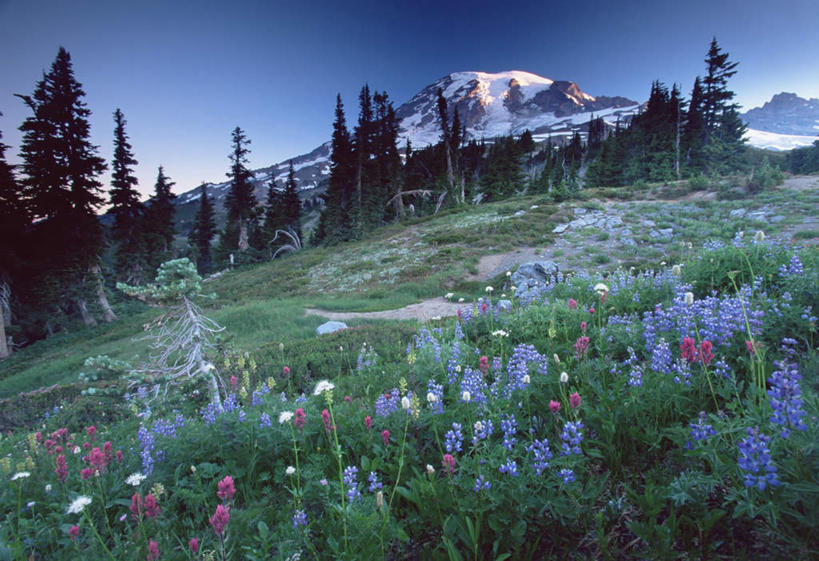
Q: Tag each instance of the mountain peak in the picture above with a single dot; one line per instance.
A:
(786, 113)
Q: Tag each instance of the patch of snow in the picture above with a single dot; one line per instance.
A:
(778, 142)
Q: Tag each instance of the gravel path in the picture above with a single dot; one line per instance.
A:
(422, 311)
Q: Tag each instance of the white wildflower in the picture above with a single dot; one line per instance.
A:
(489, 289)
(527, 379)
(557, 359)
(379, 499)
(759, 237)
(432, 398)
(208, 367)
(500, 333)
(600, 287)
(285, 416)
(323, 386)
(513, 288)
(460, 300)
(508, 273)
(564, 378)
(193, 469)
(435, 318)
(689, 298)
(466, 396)
(76, 450)
(20, 475)
(78, 504)
(290, 470)
(458, 368)
(449, 296)
(478, 426)
(48, 488)
(430, 469)
(405, 403)
(676, 270)
(135, 479)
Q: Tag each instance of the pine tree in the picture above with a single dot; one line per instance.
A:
(335, 223)
(13, 222)
(363, 150)
(60, 180)
(724, 129)
(693, 137)
(291, 205)
(158, 223)
(240, 201)
(125, 207)
(204, 228)
(273, 215)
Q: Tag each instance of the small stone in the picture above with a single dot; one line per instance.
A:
(560, 228)
(330, 327)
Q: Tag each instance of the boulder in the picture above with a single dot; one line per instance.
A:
(330, 327)
(531, 275)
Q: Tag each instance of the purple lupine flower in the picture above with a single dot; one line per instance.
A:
(299, 518)
(375, 484)
(700, 431)
(785, 398)
(481, 484)
(509, 427)
(388, 403)
(436, 390)
(567, 475)
(755, 460)
(509, 468)
(481, 430)
(452, 367)
(571, 437)
(349, 478)
(453, 439)
(540, 449)
(265, 422)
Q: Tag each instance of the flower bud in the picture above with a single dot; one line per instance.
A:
(564, 378)
(430, 470)
(405, 403)
(689, 298)
(466, 396)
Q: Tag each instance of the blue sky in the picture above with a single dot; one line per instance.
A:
(186, 73)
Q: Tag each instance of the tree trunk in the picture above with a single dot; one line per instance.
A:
(87, 318)
(108, 313)
(5, 317)
(243, 243)
(4, 348)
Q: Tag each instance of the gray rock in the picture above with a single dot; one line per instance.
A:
(628, 241)
(756, 215)
(648, 223)
(505, 305)
(738, 213)
(520, 213)
(666, 233)
(776, 219)
(330, 327)
(560, 228)
(532, 274)
(580, 210)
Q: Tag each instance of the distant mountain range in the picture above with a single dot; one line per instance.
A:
(503, 103)
(489, 105)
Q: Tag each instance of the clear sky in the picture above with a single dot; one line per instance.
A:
(185, 73)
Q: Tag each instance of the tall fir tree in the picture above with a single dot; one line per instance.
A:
(335, 222)
(693, 136)
(126, 208)
(60, 180)
(158, 223)
(240, 201)
(273, 215)
(13, 223)
(201, 235)
(291, 205)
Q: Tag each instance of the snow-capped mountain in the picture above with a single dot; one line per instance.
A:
(489, 105)
(785, 122)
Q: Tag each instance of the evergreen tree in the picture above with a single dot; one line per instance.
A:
(204, 228)
(240, 201)
(335, 223)
(60, 183)
(13, 222)
(158, 223)
(724, 129)
(693, 137)
(273, 215)
(291, 205)
(125, 207)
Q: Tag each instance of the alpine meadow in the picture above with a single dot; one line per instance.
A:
(499, 318)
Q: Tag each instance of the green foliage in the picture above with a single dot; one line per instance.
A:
(175, 279)
(804, 160)
(765, 177)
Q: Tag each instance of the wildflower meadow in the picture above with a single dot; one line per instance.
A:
(642, 414)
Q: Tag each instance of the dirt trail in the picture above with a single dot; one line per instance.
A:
(422, 311)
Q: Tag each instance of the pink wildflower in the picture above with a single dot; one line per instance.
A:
(74, 532)
(325, 416)
(119, 455)
(688, 349)
(234, 382)
(750, 346)
(136, 506)
(705, 352)
(449, 463)
(58, 449)
(572, 304)
(92, 432)
(347, 398)
(38, 436)
(87, 473)
(368, 422)
(484, 307)
(554, 406)
(49, 445)
(574, 400)
(298, 421)
(385, 436)
(226, 489)
(286, 371)
(194, 545)
(153, 551)
(581, 346)
(97, 458)
(591, 310)
(220, 519)
(484, 364)
(62, 468)
(583, 325)
(86, 445)
(151, 506)
(603, 298)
